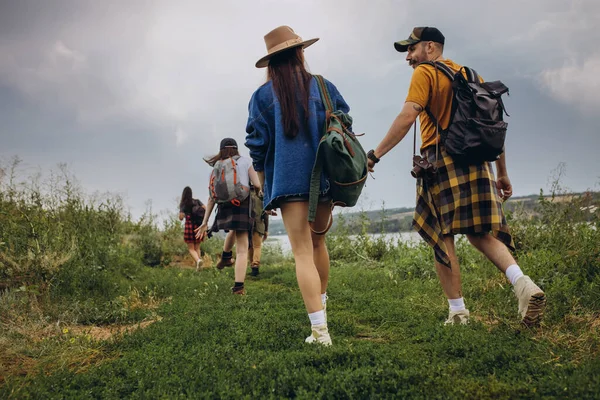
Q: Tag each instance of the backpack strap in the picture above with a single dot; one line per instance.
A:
(448, 72)
(315, 178)
(325, 96)
(438, 65)
(472, 76)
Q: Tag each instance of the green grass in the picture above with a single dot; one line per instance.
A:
(388, 337)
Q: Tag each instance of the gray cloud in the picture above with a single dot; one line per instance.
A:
(133, 94)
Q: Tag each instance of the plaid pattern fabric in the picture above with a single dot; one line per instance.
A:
(233, 218)
(189, 236)
(458, 199)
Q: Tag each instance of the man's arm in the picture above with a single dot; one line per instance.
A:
(502, 182)
(399, 129)
(261, 178)
(501, 165)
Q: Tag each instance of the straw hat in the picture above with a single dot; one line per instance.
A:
(281, 39)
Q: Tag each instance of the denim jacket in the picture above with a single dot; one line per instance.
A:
(287, 162)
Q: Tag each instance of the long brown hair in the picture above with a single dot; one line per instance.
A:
(186, 198)
(222, 155)
(291, 83)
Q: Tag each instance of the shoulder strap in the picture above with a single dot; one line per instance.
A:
(438, 65)
(325, 96)
(472, 75)
(315, 178)
(449, 73)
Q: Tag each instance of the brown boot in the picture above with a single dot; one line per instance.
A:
(225, 262)
(238, 290)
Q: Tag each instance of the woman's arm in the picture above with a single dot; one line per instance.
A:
(201, 230)
(181, 216)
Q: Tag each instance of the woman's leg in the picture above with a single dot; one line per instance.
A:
(229, 242)
(241, 261)
(195, 254)
(320, 253)
(295, 219)
(227, 255)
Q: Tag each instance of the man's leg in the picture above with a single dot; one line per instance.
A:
(532, 300)
(494, 250)
(450, 277)
(256, 251)
(451, 284)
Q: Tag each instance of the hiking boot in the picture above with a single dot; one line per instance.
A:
(199, 264)
(532, 301)
(225, 262)
(238, 290)
(254, 271)
(458, 317)
(320, 334)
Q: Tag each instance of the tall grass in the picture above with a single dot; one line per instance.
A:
(59, 245)
(70, 258)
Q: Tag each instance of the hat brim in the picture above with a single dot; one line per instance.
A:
(403, 45)
(264, 62)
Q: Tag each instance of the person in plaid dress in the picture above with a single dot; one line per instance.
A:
(457, 198)
(189, 236)
(236, 219)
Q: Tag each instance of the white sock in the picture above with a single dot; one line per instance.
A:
(513, 273)
(317, 318)
(324, 298)
(457, 304)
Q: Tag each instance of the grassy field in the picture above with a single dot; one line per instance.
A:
(96, 305)
(389, 341)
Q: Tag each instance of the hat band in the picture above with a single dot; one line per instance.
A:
(287, 43)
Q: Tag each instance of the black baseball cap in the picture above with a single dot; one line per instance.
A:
(228, 142)
(420, 34)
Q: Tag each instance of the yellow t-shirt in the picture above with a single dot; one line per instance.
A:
(423, 91)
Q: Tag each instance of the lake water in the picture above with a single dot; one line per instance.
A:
(284, 241)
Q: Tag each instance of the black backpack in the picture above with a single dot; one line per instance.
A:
(476, 132)
(197, 214)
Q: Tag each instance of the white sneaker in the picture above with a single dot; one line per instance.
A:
(458, 317)
(320, 334)
(199, 264)
(532, 300)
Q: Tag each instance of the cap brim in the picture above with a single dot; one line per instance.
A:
(264, 62)
(402, 46)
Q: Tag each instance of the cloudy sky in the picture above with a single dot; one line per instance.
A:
(132, 94)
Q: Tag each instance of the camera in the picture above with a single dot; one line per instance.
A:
(422, 167)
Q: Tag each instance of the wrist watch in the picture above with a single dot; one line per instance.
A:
(371, 156)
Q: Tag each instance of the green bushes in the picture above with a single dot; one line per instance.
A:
(66, 259)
